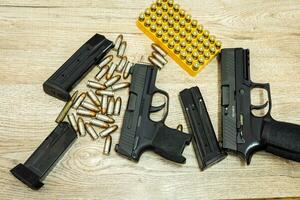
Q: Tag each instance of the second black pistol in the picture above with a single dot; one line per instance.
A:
(243, 131)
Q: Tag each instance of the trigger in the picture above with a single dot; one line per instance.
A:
(157, 108)
(253, 107)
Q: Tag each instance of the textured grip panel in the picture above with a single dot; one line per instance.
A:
(170, 143)
(282, 139)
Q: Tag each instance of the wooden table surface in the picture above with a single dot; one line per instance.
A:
(37, 37)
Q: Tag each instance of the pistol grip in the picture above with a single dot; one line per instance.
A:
(170, 143)
(282, 139)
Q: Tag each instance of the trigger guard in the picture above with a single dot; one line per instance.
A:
(154, 109)
(255, 107)
(165, 105)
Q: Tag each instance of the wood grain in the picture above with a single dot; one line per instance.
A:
(36, 37)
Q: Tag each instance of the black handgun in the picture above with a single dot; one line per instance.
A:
(77, 66)
(244, 132)
(139, 132)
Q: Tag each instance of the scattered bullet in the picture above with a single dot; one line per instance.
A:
(86, 113)
(94, 98)
(107, 145)
(159, 50)
(111, 106)
(80, 124)
(66, 108)
(159, 58)
(118, 42)
(91, 131)
(79, 100)
(96, 85)
(121, 64)
(119, 86)
(112, 80)
(73, 122)
(104, 104)
(105, 118)
(105, 92)
(127, 70)
(118, 106)
(155, 62)
(111, 70)
(102, 73)
(90, 106)
(99, 123)
(121, 50)
(105, 61)
(108, 131)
